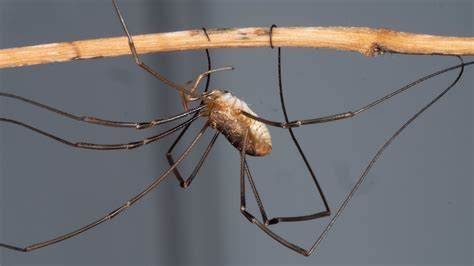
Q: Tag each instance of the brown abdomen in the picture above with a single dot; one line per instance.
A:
(225, 116)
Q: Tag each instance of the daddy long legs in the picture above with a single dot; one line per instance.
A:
(133, 145)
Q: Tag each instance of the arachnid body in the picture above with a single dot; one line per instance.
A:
(225, 114)
(233, 140)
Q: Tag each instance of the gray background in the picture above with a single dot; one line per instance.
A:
(415, 208)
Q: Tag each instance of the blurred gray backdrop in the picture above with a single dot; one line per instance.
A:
(414, 208)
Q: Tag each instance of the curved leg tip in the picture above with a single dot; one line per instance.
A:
(273, 221)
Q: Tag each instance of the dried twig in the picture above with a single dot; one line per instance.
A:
(367, 41)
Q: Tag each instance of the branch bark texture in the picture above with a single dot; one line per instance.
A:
(367, 41)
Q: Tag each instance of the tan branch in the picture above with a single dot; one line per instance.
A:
(367, 41)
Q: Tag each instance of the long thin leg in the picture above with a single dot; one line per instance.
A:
(169, 156)
(316, 215)
(261, 208)
(113, 213)
(131, 44)
(276, 220)
(86, 145)
(248, 215)
(185, 183)
(201, 76)
(182, 91)
(299, 123)
(377, 155)
(103, 122)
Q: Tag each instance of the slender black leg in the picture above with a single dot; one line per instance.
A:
(198, 80)
(261, 208)
(185, 183)
(103, 122)
(137, 60)
(245, 170)
(186, 95)
(169, 156)
(376, 157)
(252, 218)
(113, 213)
(275, 220)
(86, 145)
(316, 215)
(350, 114)
(271, 35)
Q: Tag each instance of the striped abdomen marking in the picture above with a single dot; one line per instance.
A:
(224, 114)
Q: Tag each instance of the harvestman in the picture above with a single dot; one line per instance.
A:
(231, 117)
